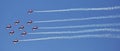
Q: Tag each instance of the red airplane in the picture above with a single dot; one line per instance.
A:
(21, 27)
(17, 22)
(8, 26)
(30, 11)
(11, 32)
(23, 33)
(15, 41)
(35, 28)
(29, 22)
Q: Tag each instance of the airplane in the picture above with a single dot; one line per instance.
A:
(29, 22)
(8, 26)
(21, 27)
(11, 32)
(34, 28)
(15, 41)
(23, 33)
(17, 22)
(30, 11)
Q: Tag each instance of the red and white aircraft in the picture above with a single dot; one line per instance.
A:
(23, 33)
(8, 26)
(21, 27)
(30, 11)
(34, 28)
(29, 22)
(11, 32)
(17, 22)
(15, 41)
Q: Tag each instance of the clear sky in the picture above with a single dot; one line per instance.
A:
(12, 10)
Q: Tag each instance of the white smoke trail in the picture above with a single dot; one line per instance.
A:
(80, 19)
(81, 31)
(81, 9)
(73, 37)
(83, 26)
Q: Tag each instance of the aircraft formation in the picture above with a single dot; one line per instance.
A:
(34, 28)
(12, 32)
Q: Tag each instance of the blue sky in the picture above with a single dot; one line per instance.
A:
(11, 11)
